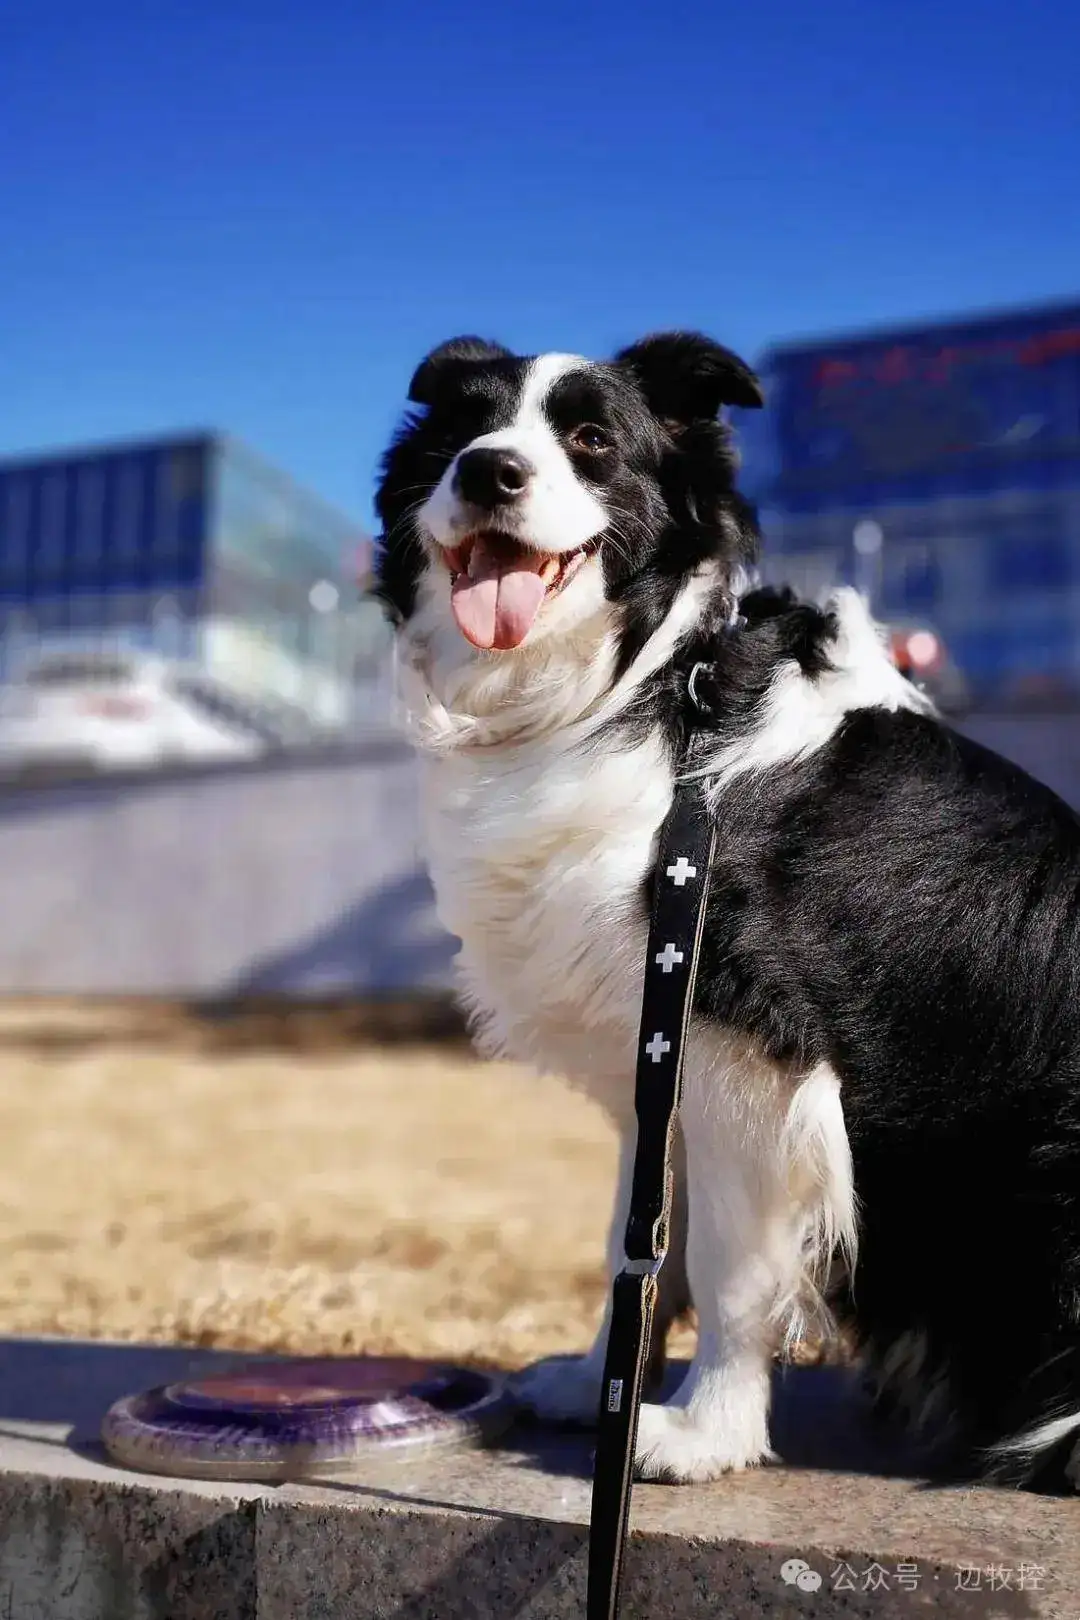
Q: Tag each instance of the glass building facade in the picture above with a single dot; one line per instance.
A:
(959, 446)
(103, 522)
(194, 547)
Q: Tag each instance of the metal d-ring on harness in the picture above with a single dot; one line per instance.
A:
(684, 864)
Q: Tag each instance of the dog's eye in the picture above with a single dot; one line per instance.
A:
(590, 437)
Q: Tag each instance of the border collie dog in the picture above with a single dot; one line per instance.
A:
(881, 1107)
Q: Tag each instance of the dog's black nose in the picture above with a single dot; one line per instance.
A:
(490, 477)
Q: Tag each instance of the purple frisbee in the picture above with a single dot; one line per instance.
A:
(276, 1421)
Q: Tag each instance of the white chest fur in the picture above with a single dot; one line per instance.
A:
(539, 856)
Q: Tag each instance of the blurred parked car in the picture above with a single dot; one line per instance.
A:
(115, 710)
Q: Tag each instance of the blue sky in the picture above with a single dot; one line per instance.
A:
(258, 215)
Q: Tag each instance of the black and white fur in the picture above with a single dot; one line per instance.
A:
(883, 1077)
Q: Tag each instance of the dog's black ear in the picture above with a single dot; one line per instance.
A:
(432, 374)
(686, 377)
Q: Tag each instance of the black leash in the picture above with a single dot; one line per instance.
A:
(683, 869)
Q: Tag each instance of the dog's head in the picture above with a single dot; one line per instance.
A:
(546, 513)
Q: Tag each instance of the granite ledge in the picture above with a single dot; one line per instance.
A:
(499, 1534)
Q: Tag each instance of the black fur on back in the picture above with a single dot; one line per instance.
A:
(904, 905)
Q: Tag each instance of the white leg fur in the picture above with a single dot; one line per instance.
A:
(770, 1196)
(566, 1389)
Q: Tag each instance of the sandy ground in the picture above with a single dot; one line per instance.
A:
(155, 1186)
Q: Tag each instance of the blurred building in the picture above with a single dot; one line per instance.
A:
(193, 549)
(938, 467)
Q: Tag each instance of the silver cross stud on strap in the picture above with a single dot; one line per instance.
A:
(657, 1047)
(668, 957)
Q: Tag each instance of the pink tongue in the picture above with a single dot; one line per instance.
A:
(495, 604)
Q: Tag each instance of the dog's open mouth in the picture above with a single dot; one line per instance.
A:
(498, 586)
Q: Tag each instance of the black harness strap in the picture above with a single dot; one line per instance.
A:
(678, 914)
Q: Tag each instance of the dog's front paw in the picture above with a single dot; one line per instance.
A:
(561, 1389)
(1072, 1468)
(676, 1447)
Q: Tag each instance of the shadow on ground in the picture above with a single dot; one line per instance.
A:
(820, 1418)
(71, 1383)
